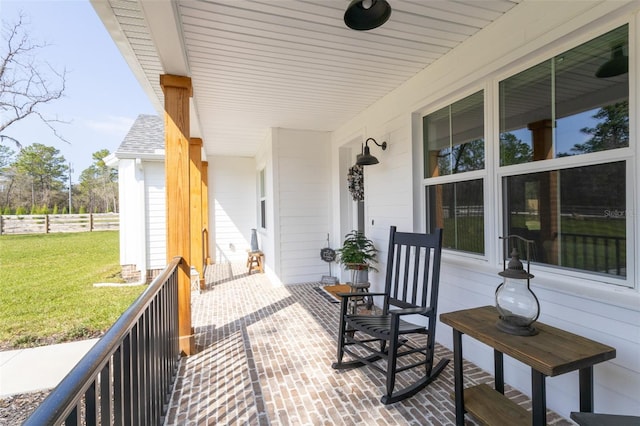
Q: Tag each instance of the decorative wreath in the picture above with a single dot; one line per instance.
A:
(355, 179)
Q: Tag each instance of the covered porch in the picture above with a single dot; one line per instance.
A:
(266, 108)
(264, 357)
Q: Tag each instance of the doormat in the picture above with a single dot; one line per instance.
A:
(331, 291)
(326, 296)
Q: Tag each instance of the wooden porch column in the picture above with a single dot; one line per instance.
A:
(205, 211)
(542, 138)
(439, 207)
(177, 91)
(195, 194)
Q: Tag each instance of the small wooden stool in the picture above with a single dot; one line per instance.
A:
(254, 261)
(367, 301)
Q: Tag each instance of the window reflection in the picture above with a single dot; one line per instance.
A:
(454, 137)
(458, 208)
(576, 217)
(561, 108)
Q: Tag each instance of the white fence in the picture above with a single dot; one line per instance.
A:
(46, 223)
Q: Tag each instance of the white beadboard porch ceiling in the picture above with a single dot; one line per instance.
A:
(283, 63)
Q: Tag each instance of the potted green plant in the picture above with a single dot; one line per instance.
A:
(358, 255)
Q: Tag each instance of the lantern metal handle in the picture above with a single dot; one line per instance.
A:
(505, 250)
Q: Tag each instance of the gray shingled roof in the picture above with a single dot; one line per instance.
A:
(146, 136)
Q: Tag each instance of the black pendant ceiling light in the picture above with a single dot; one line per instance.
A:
(366, 159)
(617, 65)
(365, 15)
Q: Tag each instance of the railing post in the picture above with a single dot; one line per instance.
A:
(606, 254)
(46, 223)
(106, 395)
(617, 256)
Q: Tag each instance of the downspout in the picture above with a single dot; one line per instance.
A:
(142, 218)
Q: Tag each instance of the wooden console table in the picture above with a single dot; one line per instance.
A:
(549, 353)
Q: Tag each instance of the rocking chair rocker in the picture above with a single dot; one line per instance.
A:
(411, 288)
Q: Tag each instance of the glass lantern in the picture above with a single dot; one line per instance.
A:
(517, 305)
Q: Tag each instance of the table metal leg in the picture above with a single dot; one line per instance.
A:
(538, 398)
(586, 389)
(458, 380)
(498, 370)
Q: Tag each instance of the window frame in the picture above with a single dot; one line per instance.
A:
(627, 154)
(562, 279)
(564, 271)
(482, 174)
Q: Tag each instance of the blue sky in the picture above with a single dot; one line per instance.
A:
(102, 98)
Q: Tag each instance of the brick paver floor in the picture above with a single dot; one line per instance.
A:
(264, 354)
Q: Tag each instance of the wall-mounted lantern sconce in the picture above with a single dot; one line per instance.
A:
(366, 159)
(365, 15)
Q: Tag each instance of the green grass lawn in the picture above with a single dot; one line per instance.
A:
(46, 287)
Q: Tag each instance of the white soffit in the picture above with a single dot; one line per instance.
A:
(286, 63)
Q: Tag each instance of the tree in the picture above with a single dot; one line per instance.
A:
(612, 131)
(6, 175)
(14, 190)
(463, 157)
(468, 156)
(46, 168)
(26, 83)
(513, 150)
(98, 185)
(6, 157)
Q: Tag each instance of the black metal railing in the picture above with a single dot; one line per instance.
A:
(599, 253)
(127, 377)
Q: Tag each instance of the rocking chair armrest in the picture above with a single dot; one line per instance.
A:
(347, 295)
(411, 311)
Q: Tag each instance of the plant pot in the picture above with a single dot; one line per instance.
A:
(359, 273)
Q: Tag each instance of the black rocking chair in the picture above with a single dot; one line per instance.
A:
(411, 288)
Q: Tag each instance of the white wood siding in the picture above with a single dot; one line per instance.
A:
(531, 32)
(232, 183)
(304, 203)
(131, 207)
(156, 222)
(388, 194)
(142, 214)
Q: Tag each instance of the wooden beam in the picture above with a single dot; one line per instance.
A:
(542, 138)
(205, 211)
(177, 91)
(195, 195)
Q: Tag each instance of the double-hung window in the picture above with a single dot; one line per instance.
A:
(562, 166)
(564, 156)
(454, 160)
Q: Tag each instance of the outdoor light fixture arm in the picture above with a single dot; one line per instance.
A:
(383, 145)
